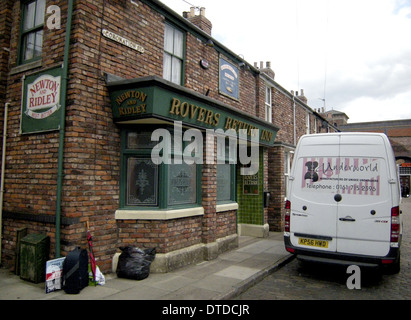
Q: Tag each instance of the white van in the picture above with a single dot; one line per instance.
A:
(343, 201)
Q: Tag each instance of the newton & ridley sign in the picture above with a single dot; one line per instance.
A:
(41, 101)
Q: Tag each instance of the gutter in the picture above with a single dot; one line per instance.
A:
(3, 167)
(62, 126)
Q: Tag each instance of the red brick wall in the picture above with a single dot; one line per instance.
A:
(276, 188)
(165, 236)
(226, 223)
(5, 28)
(31, 163)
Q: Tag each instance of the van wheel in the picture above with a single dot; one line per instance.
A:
(395, 267)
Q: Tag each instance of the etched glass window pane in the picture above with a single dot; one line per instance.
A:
(142, 182)
(223, 182)
(182, 184)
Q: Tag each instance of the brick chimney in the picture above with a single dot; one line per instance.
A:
(302, 97)
(267, 69)
(200, 20)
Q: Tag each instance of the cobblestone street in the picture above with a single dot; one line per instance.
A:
(300, 281)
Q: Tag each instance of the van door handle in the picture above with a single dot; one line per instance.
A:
(347, 218)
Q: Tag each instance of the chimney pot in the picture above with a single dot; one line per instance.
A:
(200, 20)
(268, 64)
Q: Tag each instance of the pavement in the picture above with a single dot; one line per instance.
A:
(223, 278)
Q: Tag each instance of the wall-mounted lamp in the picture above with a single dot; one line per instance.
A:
(209, 43)
(242, 63)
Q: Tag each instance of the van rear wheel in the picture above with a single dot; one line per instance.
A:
(395, 267)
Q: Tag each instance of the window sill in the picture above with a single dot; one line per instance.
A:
(26, 67)
(227, 207)
(158, 214)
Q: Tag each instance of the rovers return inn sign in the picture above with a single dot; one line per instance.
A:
(152, 97)
(40, 109)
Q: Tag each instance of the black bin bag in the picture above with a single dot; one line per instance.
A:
(134, 263)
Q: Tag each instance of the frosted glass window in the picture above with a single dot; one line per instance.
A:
(142, 182)
(182, 184)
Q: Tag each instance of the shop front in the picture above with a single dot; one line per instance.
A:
(192, 171)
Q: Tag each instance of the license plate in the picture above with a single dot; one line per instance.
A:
(313, 242)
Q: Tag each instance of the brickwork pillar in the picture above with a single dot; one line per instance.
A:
(276, 186)
(209, 189)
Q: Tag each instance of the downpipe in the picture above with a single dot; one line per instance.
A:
(294, 122)
(3, 168)
(62, 128)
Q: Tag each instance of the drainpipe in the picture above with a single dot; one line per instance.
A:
(62, 126)
(295, 129)
(3, 168)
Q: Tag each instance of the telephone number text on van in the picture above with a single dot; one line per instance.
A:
(356, 187)
(353, 187)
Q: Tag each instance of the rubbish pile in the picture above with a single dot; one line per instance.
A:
(79, 269)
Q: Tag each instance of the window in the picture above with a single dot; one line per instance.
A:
(148, 185)
(142, 182)
(268, 105)
(307, 124)
(32, 30)
(182, 180)
(226, 158)
(173, 55)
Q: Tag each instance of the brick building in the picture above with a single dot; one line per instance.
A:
(92, 87)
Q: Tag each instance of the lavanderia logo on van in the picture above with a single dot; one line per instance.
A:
(43, 97)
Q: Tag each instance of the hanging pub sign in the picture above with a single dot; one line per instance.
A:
(229, 79)
(40, 108)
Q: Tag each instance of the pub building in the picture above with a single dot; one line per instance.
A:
(131, 119)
